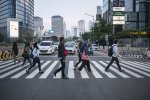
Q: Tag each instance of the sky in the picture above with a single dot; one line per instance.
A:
(70, 10)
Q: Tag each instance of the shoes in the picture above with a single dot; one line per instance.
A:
(121, 70)
(74, 68)
(64, 77)
(106, 70)
(55, 73)
(40, 72)
(27, 71)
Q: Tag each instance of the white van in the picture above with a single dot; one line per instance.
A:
(46, 47)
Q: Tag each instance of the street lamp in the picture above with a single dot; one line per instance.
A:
(93, 25)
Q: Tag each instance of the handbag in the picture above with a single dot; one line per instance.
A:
(84, 56)
(65, 52)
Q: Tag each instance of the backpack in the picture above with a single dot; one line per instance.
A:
(31, 54)
(110, 51)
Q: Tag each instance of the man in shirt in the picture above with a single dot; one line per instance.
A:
(114, 57)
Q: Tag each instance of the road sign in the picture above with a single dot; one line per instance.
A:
(118, 18)
(118, 22)
(118, 8)
(118, 13)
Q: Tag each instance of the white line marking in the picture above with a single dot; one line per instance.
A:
(95, 73)
(116, 71)
(37, 70)
(103, 70)
(128, 71)
(47, 72)
(70, 70)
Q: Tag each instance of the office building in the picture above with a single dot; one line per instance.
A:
(81, 27)
(38, 27)
(57, 25)
(17, 11)
(99, 13)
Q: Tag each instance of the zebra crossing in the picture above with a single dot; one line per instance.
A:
(133, 69)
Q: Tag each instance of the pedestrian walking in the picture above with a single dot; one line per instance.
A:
(36, 58)
(15, 52)
(61, 56)
(26, 54)
(115, 55)
(79, 55)
(85, 58)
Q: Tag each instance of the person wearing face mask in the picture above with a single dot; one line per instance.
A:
(61, 57)
(115, 56)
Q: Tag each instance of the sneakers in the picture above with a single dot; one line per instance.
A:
(121, 70)
(27, 71)
(55, 73)
(106, 70)
(40, 72)
(64, 77)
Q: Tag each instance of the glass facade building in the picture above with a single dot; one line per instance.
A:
(23, 11)
(137, 14)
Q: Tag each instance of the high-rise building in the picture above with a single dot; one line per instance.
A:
(75, 31)
(107, 10)
(99, 13)
(58, 25)
(64, 30)
(81, 27)
(137, 14)
(22, 11)
(38, 27)
(90, 25)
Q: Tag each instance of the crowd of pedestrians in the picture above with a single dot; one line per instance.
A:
(31, 54)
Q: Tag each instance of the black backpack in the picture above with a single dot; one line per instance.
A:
(110, 51)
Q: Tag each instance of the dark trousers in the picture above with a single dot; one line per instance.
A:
(78, 62)
(36, 60)
(112, 60)
(26, 58)
(85, 62)
(62, 68)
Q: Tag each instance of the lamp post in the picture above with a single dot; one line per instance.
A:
(93, 25)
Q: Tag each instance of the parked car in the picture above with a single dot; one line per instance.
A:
(56, 45)
(46, 47)
(94, 47)
(70, 47)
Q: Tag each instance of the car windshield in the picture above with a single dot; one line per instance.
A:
(56, 43)
(45, 44)
(69, 45)
(94, 45)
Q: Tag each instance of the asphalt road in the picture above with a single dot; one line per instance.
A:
(133, 84)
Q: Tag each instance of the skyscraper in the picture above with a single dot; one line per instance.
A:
(81, 26)
(21, 11)
(38, 27)
(58, 25)
(99, 12)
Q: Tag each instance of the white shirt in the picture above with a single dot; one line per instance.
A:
(35, 52)
(115, 50)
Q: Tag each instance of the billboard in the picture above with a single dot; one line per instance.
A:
(14, 29)
(119, 18)
(118, 22)
(118, 8)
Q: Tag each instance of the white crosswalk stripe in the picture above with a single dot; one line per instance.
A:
(58, 74)
(136, 65)
(47, 72)
(133, 69)
(70, 70)
(95, 72)
(37, 70)
(130, 72)
(103, 70)
(116, 71)
(21, 73)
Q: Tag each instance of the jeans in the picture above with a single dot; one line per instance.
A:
(112, 60)
(85, 62)
(62, 68)
(36, 60)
